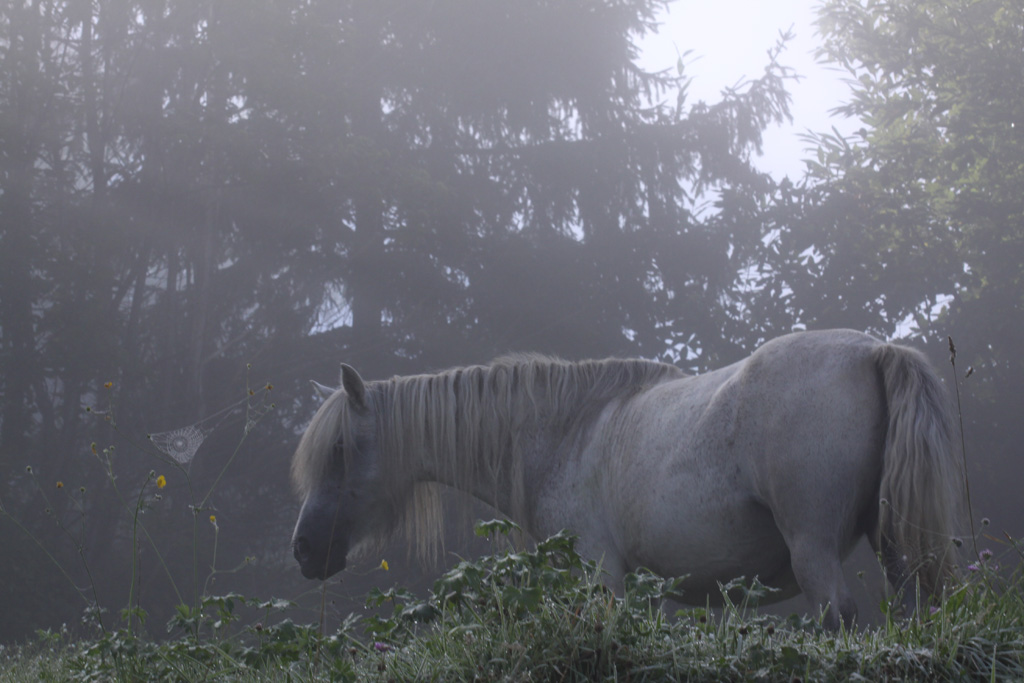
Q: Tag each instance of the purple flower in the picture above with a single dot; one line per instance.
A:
(985, 555)
(973, 567)
(381, 647)
(933, 610)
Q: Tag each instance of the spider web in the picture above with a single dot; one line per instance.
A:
(180, 444)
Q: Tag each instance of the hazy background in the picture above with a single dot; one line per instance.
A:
(206, 203)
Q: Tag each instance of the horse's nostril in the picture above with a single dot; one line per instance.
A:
(300, 548)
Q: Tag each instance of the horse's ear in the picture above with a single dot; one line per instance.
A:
(322, 391)
(354, 387)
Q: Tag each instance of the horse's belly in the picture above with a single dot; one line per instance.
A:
(712, 549)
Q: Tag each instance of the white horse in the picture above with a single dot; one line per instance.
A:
(771, 467)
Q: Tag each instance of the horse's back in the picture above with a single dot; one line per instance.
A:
(812, 414)
(724, 466)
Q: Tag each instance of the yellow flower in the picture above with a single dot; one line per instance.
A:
(108, 385)
(384, 565)
(213, 519)
(161, 481)
(60, 484)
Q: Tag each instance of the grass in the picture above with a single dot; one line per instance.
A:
(545, 615)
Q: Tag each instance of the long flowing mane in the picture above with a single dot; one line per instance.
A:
(467, 425)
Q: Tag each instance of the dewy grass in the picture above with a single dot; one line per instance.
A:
(546, 615)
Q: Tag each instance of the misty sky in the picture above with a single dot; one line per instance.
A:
(729, 40)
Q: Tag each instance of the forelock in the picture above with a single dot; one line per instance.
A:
(313, 454)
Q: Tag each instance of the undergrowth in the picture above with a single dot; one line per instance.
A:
(546, 615)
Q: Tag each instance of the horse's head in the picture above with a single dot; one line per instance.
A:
(335, 469)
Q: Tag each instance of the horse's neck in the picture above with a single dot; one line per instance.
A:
(479, 439)
(493, 431)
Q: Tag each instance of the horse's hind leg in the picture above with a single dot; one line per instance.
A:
(897, 572)
(819, 572)
(814, 532)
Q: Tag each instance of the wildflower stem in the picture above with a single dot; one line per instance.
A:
(145, 531)
(135, 549)
(213, 561)
(56, 562)
(234, 453)
(963, 443)
(195, 570)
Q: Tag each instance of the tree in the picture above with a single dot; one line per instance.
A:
(915, 226)
(194, 185)
(466, 133)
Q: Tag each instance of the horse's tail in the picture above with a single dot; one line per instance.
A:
(922, 485)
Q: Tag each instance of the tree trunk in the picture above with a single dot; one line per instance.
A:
(20, 139)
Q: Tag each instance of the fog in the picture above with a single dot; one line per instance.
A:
(205, 205)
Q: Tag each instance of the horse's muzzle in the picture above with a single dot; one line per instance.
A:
(316, 565)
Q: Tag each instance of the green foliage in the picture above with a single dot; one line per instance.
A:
(914, 226)
(918, 216)
(544, 614)
(938, 171)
